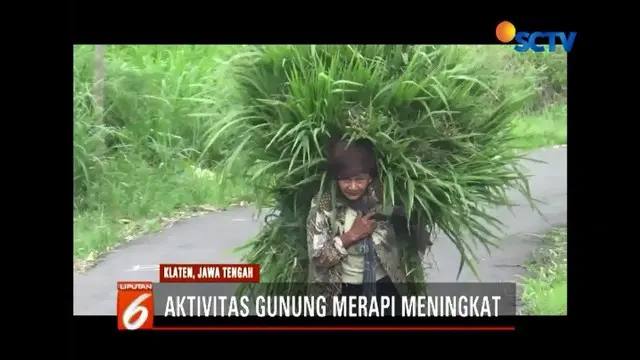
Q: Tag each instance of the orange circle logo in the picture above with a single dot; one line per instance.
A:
(505, 31)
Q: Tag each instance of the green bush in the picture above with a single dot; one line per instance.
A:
(150, 107)
(509, 70)
(138, 158)
(444, 150)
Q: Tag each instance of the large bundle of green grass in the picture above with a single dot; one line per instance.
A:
(441, 136)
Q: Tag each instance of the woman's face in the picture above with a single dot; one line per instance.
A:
(353, 188)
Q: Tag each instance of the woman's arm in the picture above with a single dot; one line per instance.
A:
(324, 250)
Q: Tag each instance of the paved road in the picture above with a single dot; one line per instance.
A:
(211, 238)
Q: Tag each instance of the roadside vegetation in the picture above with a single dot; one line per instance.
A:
(149, 157)
(545, 286)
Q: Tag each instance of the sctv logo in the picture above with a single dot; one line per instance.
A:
(506, 32)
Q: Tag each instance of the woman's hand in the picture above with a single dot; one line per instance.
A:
(362, 227)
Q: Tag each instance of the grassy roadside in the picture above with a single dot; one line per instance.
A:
(542, 128)
(545, 286)
(142, 165)
(166, 197)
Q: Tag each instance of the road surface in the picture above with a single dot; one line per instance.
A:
(211, 239)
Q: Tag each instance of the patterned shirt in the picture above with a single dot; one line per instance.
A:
(325, 224)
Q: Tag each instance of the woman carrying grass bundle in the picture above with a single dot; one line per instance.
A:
(353, 248)
(445, 154)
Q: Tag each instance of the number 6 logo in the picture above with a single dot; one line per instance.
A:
(135, 305)
(133, 309)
